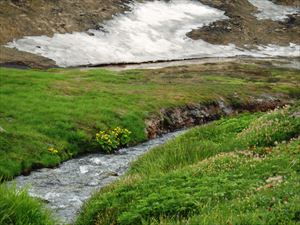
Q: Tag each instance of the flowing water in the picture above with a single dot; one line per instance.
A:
(150, 31)
(73, 182)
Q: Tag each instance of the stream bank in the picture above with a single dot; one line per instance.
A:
(67, 187)
(170, 119)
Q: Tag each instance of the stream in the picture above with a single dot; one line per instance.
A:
(67, 187)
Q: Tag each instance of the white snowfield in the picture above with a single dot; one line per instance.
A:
(151, 31)
(269, 10)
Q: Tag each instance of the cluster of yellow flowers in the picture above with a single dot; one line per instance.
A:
(102, 136)
(53, 150)
(112, 139)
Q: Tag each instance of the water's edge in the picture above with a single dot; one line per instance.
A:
(67, 187)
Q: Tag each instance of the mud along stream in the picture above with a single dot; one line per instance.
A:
(67, 187)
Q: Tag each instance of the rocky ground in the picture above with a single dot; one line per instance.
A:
(287, 2)
(242, 27)
(20, 18)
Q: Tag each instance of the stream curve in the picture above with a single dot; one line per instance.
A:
(67, 187)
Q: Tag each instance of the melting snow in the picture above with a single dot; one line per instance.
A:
(151, 31)
(269, 10)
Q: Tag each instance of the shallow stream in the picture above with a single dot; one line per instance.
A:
(67, 187)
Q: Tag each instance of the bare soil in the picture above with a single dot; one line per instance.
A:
(243, 28)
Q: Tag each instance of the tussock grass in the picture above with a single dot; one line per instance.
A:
(16, 207)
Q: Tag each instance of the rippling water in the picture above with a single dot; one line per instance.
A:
(151, 31)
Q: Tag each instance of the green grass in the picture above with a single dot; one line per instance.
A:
(16, 207)
(243, 170)
(65, 108)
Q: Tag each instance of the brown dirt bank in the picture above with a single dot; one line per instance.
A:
(176, 118)
(188, 115)
(243, 28)
(17, 59)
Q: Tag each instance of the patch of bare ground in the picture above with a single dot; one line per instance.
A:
(176, 118)
(295, 3)
(243, 28)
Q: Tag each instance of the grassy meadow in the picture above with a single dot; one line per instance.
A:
(241, 170)
(62, 109)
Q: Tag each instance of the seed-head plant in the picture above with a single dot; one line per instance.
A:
(271, 128)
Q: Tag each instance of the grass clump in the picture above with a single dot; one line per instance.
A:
(273, 127)
(210, 175)
(16, 207)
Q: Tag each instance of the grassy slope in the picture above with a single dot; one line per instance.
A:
(243, 170)
(65, 108)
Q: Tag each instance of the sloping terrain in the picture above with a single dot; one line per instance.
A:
(20, 18)
(243, 28)
(242, 170)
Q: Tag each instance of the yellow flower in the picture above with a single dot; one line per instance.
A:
(53, 150)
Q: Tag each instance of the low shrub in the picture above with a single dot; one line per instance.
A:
(111, 140)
